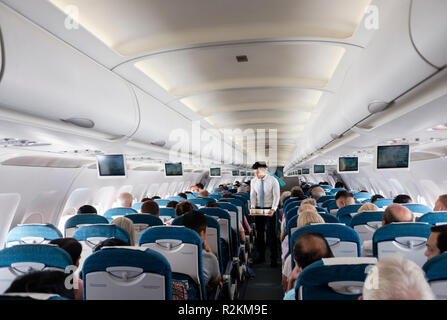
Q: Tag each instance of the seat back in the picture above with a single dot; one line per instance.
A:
(362, 195)
(131, 273)
(162, 202)
(366, 223)
(142, 221)
(32, 234)
(333, 279)
(383, 202)
(433, 218)
(225, 220)
(346, 213)
(182, 247)
(292, 204)
(322, 199)
(335, 190)
(406, 239)
(201, 201)
(343, 240)
(331, 206)
(288, 199)
(90, 236)
(118, 212)
(23, 258)
(233, 211)
(418, 209)
(436, 274)
(241, 207)
(72, 224)
(326, 188)
(137, 206)
(176, 198)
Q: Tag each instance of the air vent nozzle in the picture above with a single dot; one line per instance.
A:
(242, 58)
(80, 122)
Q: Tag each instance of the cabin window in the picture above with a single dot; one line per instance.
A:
(139, 191)
(172, 188)
(162, 192)
(9, 203)
(104, 199)
(153, 190)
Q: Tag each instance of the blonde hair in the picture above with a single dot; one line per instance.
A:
(127, 225)
(310, 201)
(368, 207)
(308, 217)
(283, 196)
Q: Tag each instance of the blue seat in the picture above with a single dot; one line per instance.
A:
(333, 279)
(167, 212)
(162, 202)
(434, 218)
(176, 198)
(418, 209)
(291, 205)
(328, 218)
(118, 212)
(326, 188)
(32, 234)
(191, 196)
(322, 199)
(366, 223)
(330, 205)
(240, 205)
(82, 219)
(126, 274)
(407, 239)
(335, 190)
(182, 247)
(362, 195)
(346, 213)
(142, 221)
(215, 196)
(201, 201)
(343, 240)
(436, 274)
(137, 206)
(383, 202)
(23, 258)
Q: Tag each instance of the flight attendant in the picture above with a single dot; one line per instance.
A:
(264, 194)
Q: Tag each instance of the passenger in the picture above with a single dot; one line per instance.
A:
(309, 247)
(305, 218)
(437, 242)
(298, 193)
(203, 194)
(368, 207)
(125, 200)
(127, 225)
(284, 195)
(155, 198)
(183, 207)
(200, 187)
(110, 242)
(228, 195)
(150, 207)
(375, 197)
(197, 221)
(182, 195)
(194, 189)
(402, 198)
(339, 184)
(51, 282)
(318, 192)
(74, 248)
(344, 198)
(310, 201)
(395, 278)
(171, 204)
(441, 203)
(87, 209)
(145, 199)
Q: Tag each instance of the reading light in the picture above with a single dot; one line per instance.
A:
(80, 122)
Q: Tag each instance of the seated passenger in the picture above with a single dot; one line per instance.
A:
(110, 242)
(437, 242)
(197, 221)
(306, 217)
(171, 204)
(200, 187)
(339, 184)
(395, 278)
(309, 247)
(87, 209)
(125, 200)
(150, 207)
(402, 198)
(51, 282)
(284, 195)
(297, 192)
(155, 198)
(375, 197)
(307, 204)
(441, 203)
(318, 192)
(368, 207)
(204, 194)
(145, 199)
(193, 189)
(183, 207)
(182, 195)
(344, 198)
(310, 201)
(127, 225)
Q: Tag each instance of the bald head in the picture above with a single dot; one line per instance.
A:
(441, 203)
(310, 247)
(396, 213)
(125, 199)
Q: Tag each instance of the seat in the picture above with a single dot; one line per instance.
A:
(201, 201)
(137, 206)
(191, 196)
(331, 206)
(289, 199)
(322, 199)
(362, 195)
(383, 202)
(433, 218)
(118, 273)
(32, 234)
(142, 221)
(176, 198)
(405, 238)
(240, 205)
(182, 247)
(72, 224)
(335, 190)
(329, 218)
(23, 258)
(436, 274)
(343, 240)
(118, 212)
(292, 204)
(326, 188)
(333, 279)
(346, 213)
(418, 209)
(215, 196)
(366, 223)
(90, 236)
(294, 211)
(162, 202)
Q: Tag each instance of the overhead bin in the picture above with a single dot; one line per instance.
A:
(46, 78)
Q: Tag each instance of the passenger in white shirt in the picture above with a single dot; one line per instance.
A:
(265, 198)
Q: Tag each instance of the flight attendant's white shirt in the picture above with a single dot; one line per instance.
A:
(271, 192)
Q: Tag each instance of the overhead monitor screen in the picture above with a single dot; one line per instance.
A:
(111, 165)
(318, 168)
(235, 173)
(306, 171)
(173, 169)
(348, 164)
(243, 174)
(299, 172)
(393, 157)
(215, 172)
